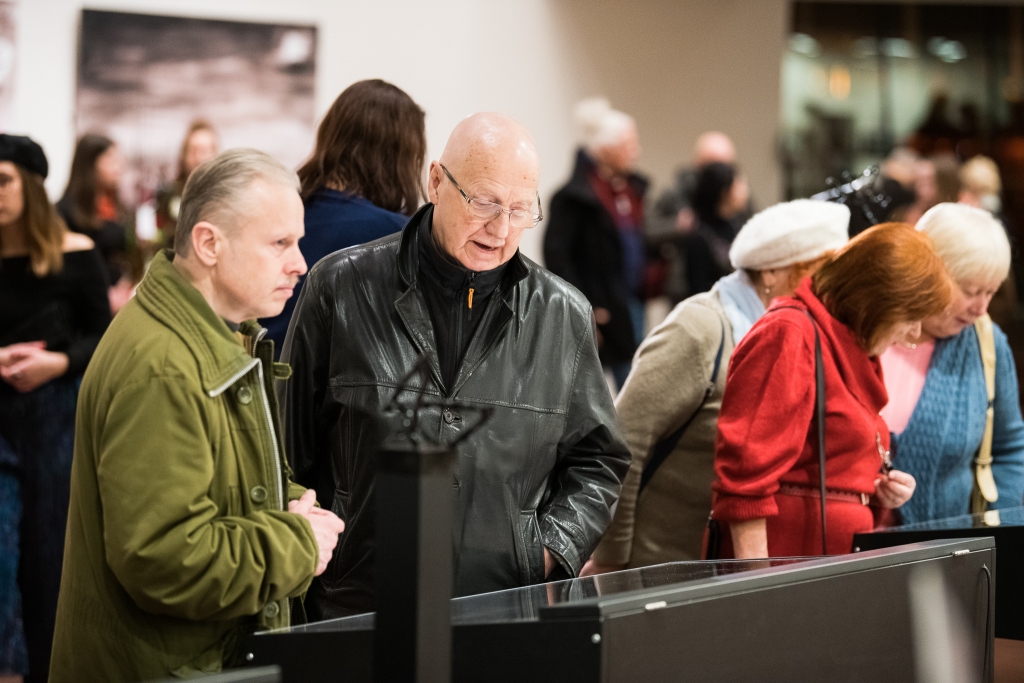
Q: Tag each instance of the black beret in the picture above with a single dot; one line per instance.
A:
(25, 152)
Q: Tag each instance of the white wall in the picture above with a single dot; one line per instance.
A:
(680, 67)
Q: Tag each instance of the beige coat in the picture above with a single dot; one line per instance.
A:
(670, 372)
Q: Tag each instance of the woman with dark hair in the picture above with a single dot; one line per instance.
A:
(53, 310)
(364, 178)
(91, 206)
(200, 144)
(720, 195)
(874, 293)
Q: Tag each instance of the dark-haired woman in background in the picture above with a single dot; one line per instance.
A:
(364, 178)
(720, 195)
(53, 310)
(91, 206)
(200, 144)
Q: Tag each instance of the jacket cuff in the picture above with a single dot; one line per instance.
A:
(562, 545)
(741, 508)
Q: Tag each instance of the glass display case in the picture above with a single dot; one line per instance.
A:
(1006, 527)
(779, 619)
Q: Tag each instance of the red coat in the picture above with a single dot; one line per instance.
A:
(767, 434)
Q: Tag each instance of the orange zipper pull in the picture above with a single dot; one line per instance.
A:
(471, 297)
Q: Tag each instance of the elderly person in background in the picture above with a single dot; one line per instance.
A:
(938, 399)
(185, 532)
(874, 293)
(668, 409)
(534, 487)
(595, 235)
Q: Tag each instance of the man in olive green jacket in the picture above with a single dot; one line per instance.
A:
(184, 530)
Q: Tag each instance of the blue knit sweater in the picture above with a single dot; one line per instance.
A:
(947, 425)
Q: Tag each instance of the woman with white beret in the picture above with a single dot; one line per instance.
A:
(959, 434)
(668, 408)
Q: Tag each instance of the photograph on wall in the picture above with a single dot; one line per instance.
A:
(143, 79)
(8, 32)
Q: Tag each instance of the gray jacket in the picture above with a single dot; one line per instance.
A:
(670, 372)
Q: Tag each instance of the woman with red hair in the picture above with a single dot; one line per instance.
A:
(874, 293)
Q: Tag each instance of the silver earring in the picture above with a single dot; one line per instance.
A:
(767, 290)
(911, 346)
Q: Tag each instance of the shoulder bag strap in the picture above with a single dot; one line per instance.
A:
(666, 445)
(984, 490)
(819, 401)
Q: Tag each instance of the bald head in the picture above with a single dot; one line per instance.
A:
(490, 141)
(493, 159)
(714, 147)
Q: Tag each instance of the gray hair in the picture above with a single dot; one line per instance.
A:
(971, 242)
(218, 185)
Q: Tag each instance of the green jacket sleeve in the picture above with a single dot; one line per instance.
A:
(166, 541)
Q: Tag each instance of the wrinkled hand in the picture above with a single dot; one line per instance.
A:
(894, 489)
(326, 526)
(29, 366)
(592, 568)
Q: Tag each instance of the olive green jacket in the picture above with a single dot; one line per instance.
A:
(178, 538)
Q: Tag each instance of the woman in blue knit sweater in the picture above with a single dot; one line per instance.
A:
(937, 394)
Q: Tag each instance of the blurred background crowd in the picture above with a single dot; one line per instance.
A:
(662, 129)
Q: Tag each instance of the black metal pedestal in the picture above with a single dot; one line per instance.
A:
(413, 563)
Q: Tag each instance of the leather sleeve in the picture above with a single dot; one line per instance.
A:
(307, 350)
(592, 461)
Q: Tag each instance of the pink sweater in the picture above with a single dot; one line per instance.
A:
(905, 370)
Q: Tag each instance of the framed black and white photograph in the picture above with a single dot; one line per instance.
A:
(142, 79)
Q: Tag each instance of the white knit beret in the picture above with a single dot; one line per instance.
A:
(791, 232)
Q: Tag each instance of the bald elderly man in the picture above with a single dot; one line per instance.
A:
(534, 486)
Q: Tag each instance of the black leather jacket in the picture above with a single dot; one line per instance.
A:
(543, 471)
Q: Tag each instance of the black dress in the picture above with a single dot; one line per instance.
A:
(68, 310)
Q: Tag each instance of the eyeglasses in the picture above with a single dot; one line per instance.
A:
(488, 211)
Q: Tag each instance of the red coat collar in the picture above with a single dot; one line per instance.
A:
(861, 373)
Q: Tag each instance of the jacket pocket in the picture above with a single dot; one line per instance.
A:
(529, 548)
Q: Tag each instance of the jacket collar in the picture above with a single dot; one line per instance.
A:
(861, 373)
(411, 305)
(172, 300)
(409, 257)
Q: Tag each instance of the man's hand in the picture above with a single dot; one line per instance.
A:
(592, 568)
(549, 562)
(326, 526)
(894, 489)
(29, 366)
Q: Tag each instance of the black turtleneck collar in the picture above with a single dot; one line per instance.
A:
(443, 271)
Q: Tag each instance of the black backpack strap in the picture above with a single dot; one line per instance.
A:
(819, 400)
(666, 445)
